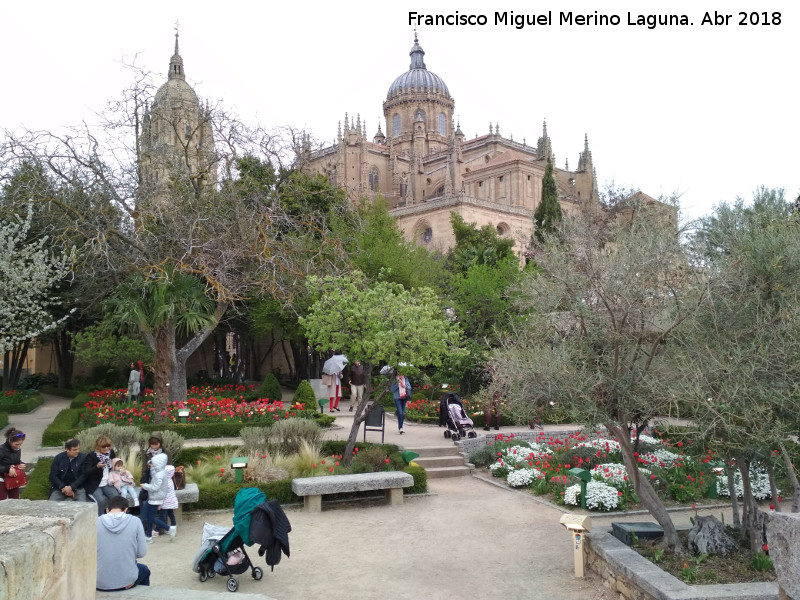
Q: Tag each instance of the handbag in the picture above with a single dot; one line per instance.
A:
(17, 481)
(179, 478)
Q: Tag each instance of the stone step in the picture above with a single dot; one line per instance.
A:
(444, 472)
(427, 451)
(430, 462)
(161, 593)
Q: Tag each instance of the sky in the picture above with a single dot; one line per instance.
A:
(708, 112)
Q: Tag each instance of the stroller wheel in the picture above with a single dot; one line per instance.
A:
(472, 434)
(456, 437)
(233, 584)
(447, 433)
(257, 573)
(211, 574)
(203, 575)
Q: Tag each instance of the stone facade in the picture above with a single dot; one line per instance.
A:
(426, 168)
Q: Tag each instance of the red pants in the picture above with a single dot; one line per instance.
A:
(4, 493)
(334, 401)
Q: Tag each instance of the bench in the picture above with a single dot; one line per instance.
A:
(190, 493)
(311, 489)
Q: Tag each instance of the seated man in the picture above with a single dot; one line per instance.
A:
(67, 474)
(120, 541)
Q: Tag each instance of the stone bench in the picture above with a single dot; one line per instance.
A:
(190, 493)
(311, 489)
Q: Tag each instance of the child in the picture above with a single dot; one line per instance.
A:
(167, 513)
(122, 479)
(156, 492)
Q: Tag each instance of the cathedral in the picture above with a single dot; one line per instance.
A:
(426, 168)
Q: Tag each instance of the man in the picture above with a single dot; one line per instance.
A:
(356, 383)
(120, 541)
(67, 475)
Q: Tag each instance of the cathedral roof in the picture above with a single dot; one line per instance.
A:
(417, 78)
(176, 88)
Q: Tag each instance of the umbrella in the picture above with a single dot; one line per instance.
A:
(334, 364)
(387, 369)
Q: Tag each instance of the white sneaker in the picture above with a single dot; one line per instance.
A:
(173, 531)
(402, 432)
(149, 540)
(135, 502)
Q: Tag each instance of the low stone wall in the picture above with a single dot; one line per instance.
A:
(48, 550)
(783, 538)
(634, 577)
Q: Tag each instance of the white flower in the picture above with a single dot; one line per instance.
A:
(661, 457)
(759, 483)
(599, 496)
(600, 444)
(523, 477)
(613, 473)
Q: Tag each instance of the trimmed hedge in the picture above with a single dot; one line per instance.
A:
(38, 486)
(53, 390)
(222, 495)
(63, 427)
(3, 419)
(23, 405)
(80, 400)
(420, 480)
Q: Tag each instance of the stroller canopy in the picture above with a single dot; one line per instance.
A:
(246, 500)
(444, 406)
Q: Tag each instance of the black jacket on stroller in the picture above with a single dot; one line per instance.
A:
(270, 527)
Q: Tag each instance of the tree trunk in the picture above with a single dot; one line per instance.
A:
(65, 359)
(773, 488)
(737, 522)
(644, 490)
(163, 369)
(792, 477)
(13, 361)
(361, 413)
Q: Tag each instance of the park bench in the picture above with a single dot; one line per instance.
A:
(190, 493)
(311, 489)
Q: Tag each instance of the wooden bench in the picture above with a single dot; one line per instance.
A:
(190, 493)
(311, 489)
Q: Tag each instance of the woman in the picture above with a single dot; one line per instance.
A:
(134, 387)
(11, 461)
(97, 464)
(401, 390)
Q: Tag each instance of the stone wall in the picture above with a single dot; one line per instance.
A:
(48, 550)
(783, 539)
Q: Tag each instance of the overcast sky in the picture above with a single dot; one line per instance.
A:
(707, 111)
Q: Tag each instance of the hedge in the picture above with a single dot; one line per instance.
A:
(3, 419)
(63, 427)
(222, 495)
(22, 405)
(53, 390)
(38, 486)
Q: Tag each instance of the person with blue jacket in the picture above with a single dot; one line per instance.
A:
(401, 390)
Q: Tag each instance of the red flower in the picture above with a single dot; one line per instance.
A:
(765, 548)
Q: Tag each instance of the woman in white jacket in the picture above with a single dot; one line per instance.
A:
(156, 492)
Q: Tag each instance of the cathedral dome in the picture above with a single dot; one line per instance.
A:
(417, 78)
(176, 89)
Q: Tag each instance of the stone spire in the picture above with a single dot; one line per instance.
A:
(544, 148)
(417, 54)
(176, 62)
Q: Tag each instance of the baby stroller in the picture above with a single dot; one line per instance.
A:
(452, 416)
(222, 549)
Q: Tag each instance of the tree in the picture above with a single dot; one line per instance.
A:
(29, 271)
(743, 345)
(476, 246)
(378, 323)
(548, 214)
(596, 337)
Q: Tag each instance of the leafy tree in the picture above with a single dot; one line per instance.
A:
(476, 246)
(378, 323)
(30, 271)
(99, 345)
(742, 348)
(596, 337)
(548, 214)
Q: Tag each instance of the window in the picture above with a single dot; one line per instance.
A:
(480, 184)
(442, 130)
(396, 125)
(374, 179)
(427, 236)
(501, 179)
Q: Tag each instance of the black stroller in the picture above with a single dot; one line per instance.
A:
(453, 416)
(254, 521)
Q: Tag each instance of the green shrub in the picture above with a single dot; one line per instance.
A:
(35, 381)
(3, 419)
(80, 400)
(21, 403)
(171, 444)
(373, 459)
(221, 496)
(483, 457)
(305, 395)
(124, 438)
(420, 480)
(38, 486)
(63, 427)
(53, 390)
(271, 388)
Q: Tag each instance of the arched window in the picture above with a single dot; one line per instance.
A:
(374, 179)
(396, 125)
(441, 124)
(427, 236)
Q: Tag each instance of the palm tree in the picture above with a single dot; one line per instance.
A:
(162, 306)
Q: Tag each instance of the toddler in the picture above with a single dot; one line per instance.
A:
(170, 503)
(122, 480)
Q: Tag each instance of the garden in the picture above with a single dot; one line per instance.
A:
(682, 472)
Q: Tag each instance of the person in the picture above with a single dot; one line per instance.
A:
(122, 480)
(156, 492)
(357, 381)
(134, 386)
(11, 461)
(401, 390)
(97, 465)
(67, 474)
(333, 381)
(167, 512)
(493, 411)
(120, 541)
(154, 446)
